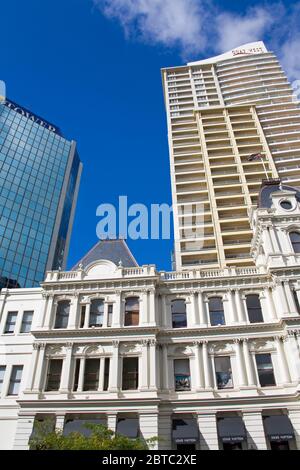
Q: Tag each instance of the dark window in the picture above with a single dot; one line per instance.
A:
(106, 373)
(223, 372)
(216, 311)
(178, 309)
(109, 314)
(78, 423)
(15, 380)
(182, 375)
(295, 240)
(282, 445)
(91, 374)
(128, 427)
(96, 312)
(254, 308)
(232, 446)
(54, 375)
(76, 375)
(265, 370)
(26, 322)
(296, 301)
(82, 316)
(11, 322)
(2, 372)
(130, 373)
(62, 314)
(132, 311)
(286, 205)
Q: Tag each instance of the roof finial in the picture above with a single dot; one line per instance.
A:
(280, 186)
(120, 264)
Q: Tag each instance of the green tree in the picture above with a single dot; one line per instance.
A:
(100, 438)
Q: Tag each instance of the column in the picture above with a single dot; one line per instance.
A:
(240, 363)
(270, 304)
(297, 290)
(281, 298)
(40, 372)
(199, 379)
(33, 365)
(144, 308)
(201, 309)
(274, 238)
(152, 319)
(114, 368)
(40, 320)
(105, 314)
(149, 426)
(73, 317)
(165, 370)
(232, 308)
(291, 353)
(152, 359)
(165, 431)
(192, 319)
(240, 308)
(290, 299)
(282, 362)
(112, 421)
(256, 438)
(87, 315)
(66, 369)
(206, 366)
(208, 432)
(81, 375)
(101, 375)
(118, 311)
(60, 422)
(23, 432)
(249, 363)
(268, 241)
(143, 366)
(49, 309)
(294, 415)
(206, 310)
(163, 311)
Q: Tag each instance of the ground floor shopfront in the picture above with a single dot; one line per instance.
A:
(276, 428)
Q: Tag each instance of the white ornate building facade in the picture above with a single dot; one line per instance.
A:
(203, 359)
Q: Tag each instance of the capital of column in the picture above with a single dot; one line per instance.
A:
(115, 343)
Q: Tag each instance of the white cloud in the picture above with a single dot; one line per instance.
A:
(168, 22)
(235, 30)
(290, 57)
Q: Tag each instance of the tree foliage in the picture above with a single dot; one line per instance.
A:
(100, 438)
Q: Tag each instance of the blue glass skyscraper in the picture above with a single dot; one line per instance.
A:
(39, 180)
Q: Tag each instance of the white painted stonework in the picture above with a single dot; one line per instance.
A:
(156, 344)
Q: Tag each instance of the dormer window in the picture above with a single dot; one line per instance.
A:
(286, 205)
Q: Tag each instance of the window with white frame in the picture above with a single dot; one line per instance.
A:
(10, 324)
(216, 311)
(132, 311)
(223, 372)
(254, 308)
(15, 380)
(97, 313)
(265, 370)
(54, 375)
(295, 240)
(91, 374)
(178, 310)
(62, 314)
(182, 374)
(26, 322)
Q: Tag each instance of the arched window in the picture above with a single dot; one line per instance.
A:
(62, 314)
(178, 309)
(96, 312)
(132, 311)
(216, 311)
(295, 240)
(254, 308)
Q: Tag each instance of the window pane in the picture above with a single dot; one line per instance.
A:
(62, 314)
(216, 311)
(54, 375)
(265, 370)
(178, 309)
(223, 372)
(97, 312)
(91, 374)
(110, 315)
(2, 372)
(11, 322)
(130, 373)
(106, 373)
(295, 239)
(182, 375)
(254, 308)
(15, 380)
(132, 311)
(26, 322)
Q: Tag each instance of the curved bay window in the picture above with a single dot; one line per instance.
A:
(178, 309)
(62, 314)
(132, 311)
(295, 240)
(216, 311)
(96, 312)
(254, 308)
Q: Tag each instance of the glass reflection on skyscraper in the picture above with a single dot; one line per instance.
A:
(39, 179)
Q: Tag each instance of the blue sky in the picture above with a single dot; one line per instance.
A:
(93, 68)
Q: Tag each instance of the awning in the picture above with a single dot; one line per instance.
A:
(185, 431)
(278, 428)
(128, 427)
(231, 429)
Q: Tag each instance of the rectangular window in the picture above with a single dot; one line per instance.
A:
(76, 375)
(109, 315)
(106, 373)
(91, 374)
(182, 375)
(265, 370)
(54, 375)
(10, 322)
(82, 316)
(223, 372)
(130, 373)
(15, 380)
(254, 309)
(2, 373)
(26, 322)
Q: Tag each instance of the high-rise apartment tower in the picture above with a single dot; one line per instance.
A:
(233, 120)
